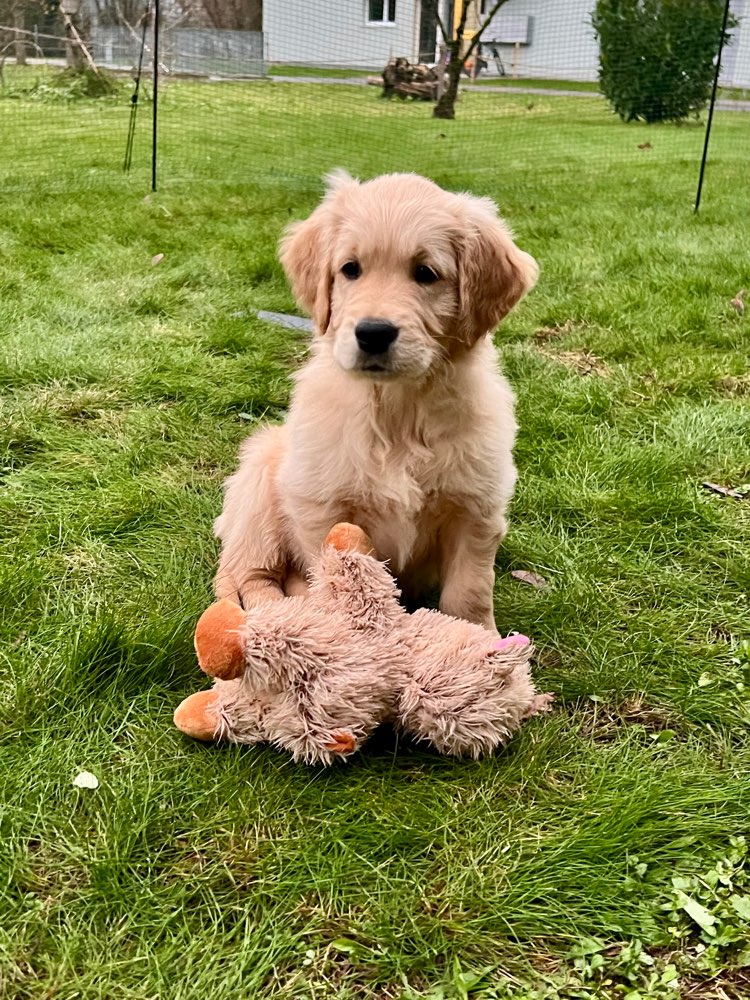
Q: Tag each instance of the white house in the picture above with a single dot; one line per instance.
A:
(560, 42)
(735, 60)
(555, 37)
(356, 33)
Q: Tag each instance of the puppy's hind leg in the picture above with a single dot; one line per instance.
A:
(254, 556)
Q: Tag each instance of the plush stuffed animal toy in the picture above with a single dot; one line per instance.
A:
(316, 675)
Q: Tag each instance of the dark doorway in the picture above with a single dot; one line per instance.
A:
(428, 27)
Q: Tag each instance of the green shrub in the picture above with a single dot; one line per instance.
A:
(656, 57)
(84, 82)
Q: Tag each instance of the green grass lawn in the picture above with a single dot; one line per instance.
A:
(547, 83)
(293, 69)
(126, 386)
(553, 83)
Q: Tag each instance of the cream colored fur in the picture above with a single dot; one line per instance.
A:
(418, 452)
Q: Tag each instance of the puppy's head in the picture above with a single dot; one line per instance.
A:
(400, 275)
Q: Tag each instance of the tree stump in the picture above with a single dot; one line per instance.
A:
(403, 79)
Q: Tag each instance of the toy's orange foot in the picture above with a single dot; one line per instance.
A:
(349, 538)
(197, 716)
(217, 641)
(343, 743)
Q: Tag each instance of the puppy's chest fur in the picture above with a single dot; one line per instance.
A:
(395, 467)
(405, 503)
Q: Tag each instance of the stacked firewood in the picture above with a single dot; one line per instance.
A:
(400, 78)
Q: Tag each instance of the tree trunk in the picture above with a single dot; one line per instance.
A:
(19, 43)
(446, 105)
(74, 57)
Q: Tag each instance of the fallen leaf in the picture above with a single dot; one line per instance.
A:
(157, 259)
(737, 303)
(703, 917)
(86, 780)
(664, 736)
(526, 576)
(725, 491)
(346, 945)
(704, 680)
(645, 145)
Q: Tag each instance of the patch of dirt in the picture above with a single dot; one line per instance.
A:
(734, 385)
(325, 970)
(721, 633)
(603, 723)
(731, 984)
(545, 333)
(529, 578)
(581, 362)
(80, 406)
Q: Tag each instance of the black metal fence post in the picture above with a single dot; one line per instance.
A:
(155, 128)
(134, 97)
(711, 107)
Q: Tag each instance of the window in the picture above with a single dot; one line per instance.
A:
(381, 11)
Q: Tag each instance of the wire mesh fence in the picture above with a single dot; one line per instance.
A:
(304, 92)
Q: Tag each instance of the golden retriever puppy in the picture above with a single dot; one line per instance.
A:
(400, 422)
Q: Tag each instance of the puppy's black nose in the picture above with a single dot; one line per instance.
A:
(375, 336)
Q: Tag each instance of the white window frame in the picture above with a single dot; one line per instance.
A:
(386, 10)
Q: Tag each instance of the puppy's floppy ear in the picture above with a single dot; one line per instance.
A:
(493, 273)
(307, 248)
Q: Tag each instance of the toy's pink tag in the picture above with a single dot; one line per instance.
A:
(516, 639)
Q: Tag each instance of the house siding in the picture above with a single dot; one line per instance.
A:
(562, 42)
(336, 33)
(735, 62)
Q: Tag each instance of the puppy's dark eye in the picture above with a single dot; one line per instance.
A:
(424, 275)
(351, 270)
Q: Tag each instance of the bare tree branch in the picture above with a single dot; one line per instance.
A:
(483, 26)
(445, 107)
(443, 30)
(78, 41)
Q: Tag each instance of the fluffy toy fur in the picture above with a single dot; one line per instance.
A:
(316, 675)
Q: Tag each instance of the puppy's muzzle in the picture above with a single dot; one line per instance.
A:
(375, 336)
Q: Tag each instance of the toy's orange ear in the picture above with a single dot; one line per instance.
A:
(218, 643)
(346, 537)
